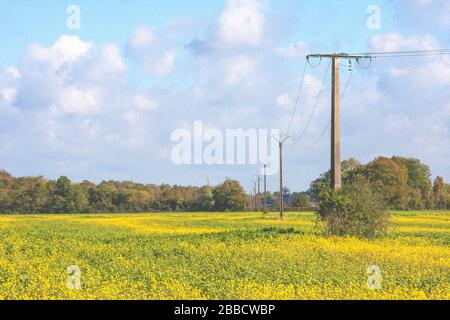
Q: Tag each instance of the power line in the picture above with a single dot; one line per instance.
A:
(372, 55)
(336, 175)
(400, 53)
(315, 105)
(376, 55)
(335, 102)
(298, 98)
(314, 66)
(329, 122)
(413, 55)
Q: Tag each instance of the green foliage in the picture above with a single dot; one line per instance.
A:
(419, 175)
(440, 194)
(37, 195)
(390, 178)
(300, 200)
(206, 199)
(229, 196)
(404, 183)
(351, 170)
(355, 211)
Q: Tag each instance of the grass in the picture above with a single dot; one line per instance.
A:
(219, 256)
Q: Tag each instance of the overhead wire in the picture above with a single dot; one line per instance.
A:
(374, 55)
(397, 53)
(296, 140)
(364, 56)
(298, 98)
(329, 122)
(402, 54)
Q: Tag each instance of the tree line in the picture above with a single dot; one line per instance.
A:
(38, 195)
(403, 183)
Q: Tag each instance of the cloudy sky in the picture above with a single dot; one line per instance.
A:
(101, 102)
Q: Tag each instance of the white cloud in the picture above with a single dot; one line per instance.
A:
(422, 73)
(164, 65)
(132, 117)
(396, 42)
(144, 103)
(65, 50)
(78, 101)
(240, 70)
(103, 64)
(142, 38)
(155, 56)
(242, 23)
(112, 58)
(13, 72)
(435, 73)
(396, 72)
(284, 100)
(294, 50)
(8, 94)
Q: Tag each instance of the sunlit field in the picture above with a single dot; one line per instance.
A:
(219, 256)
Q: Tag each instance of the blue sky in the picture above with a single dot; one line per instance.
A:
(103, 21)
(101, 102)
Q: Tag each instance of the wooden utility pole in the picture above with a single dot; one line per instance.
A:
(265, 188)
(336, 178)
(281, 141)
(254, 190)
(258, 198)
(336, 183)
(281, 181)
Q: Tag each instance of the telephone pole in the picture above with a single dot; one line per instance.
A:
(254, 191)
(336, 175)
(265, 188)
(281, 142)
(281, 182)
(336, 182)
(258, 197)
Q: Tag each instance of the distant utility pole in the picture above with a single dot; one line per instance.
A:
(265, 188)
(336, 175)
(258, 197)
(251, 199)
(281, 140)
(254, 191)
(281, 182)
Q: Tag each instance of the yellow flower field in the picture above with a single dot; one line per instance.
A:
(219, 256)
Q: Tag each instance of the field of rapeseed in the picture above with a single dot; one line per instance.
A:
(218, 256)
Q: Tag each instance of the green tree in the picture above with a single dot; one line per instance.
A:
(419, 182)
(300, 200)
(356, 210)
(439, 194)
(448, 196)
(390, 179)
(229, 196)
(206, 198)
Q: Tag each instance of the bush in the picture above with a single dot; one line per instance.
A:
(354, 211)
(229, 196)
